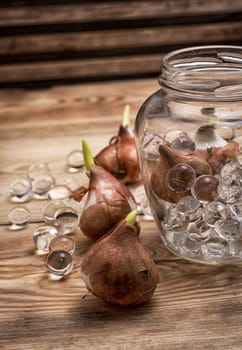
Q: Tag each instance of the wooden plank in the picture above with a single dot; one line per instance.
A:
(99, 67)
(194, 307)
(104, 11)
(28, 109)
(125, 38)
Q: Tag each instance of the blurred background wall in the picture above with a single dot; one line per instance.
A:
(55, 41)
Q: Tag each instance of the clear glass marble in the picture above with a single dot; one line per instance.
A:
(75, 161)
(214, 211)
(19, 218)
(235, 210)
(67, 219)
(42, 185)
(181, 177)
(43, 236)
(38, 169)
(20, 190)
(205, 188)
(183, 143)
(215, 250)
(63, 242)
(59, 262)
(229, 230)
(64, 214)
(59, 192)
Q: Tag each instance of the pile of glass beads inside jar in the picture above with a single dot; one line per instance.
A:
(209, 222)
(60, 217)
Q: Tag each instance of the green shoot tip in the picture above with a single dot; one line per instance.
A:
(126, 116)
(131, 217)
(87, 154)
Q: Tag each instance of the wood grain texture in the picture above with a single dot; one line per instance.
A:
(84, 68)
(121, 38)
(42, 42)
(195, 307)
(84, 12)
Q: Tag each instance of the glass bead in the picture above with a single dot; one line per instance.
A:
(181, 177)
(171, 135)
(226, 133)
(190, 247)
(38, 169)
(230, 180)
(207, 137)
(205, 188)
(64, 214)
(174, 219)
(229, 230)
(183, 143)
(187, 205)
(67, 219)
(229, 193)
(235, 210)
(150, 146)
(51, 208)
(42, 184)
(43, 235)
(214, 249)
(199, 231)
(20, 190)
(59, 263)
(19, 218)
(59, 192)
(63, 242)
(214, 211)
(75, 161)
(176, 238)
(231, 168)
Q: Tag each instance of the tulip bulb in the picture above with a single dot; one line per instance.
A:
(117, 268)
(108, 200)
(120, 156)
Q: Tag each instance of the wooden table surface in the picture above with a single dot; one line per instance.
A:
(194, 307)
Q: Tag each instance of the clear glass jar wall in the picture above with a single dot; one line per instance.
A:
(189, 136)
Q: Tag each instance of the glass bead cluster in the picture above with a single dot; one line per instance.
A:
(209, 221)
(61, 216)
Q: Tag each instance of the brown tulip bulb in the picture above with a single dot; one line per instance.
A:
(168, 159)
(120, 156)
(108, 201)
(117, 269)
(219, 156)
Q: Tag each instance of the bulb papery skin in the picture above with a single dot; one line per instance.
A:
(117, 268)
(107, 158)
(108, 202)
(120, 158)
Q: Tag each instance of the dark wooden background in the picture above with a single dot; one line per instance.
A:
(44, 41)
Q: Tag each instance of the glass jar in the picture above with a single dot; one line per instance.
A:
(189, 136)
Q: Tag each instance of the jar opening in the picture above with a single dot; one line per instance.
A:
(208, 70)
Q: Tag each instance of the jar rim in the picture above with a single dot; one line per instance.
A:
(196, 49)
(215, 69)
